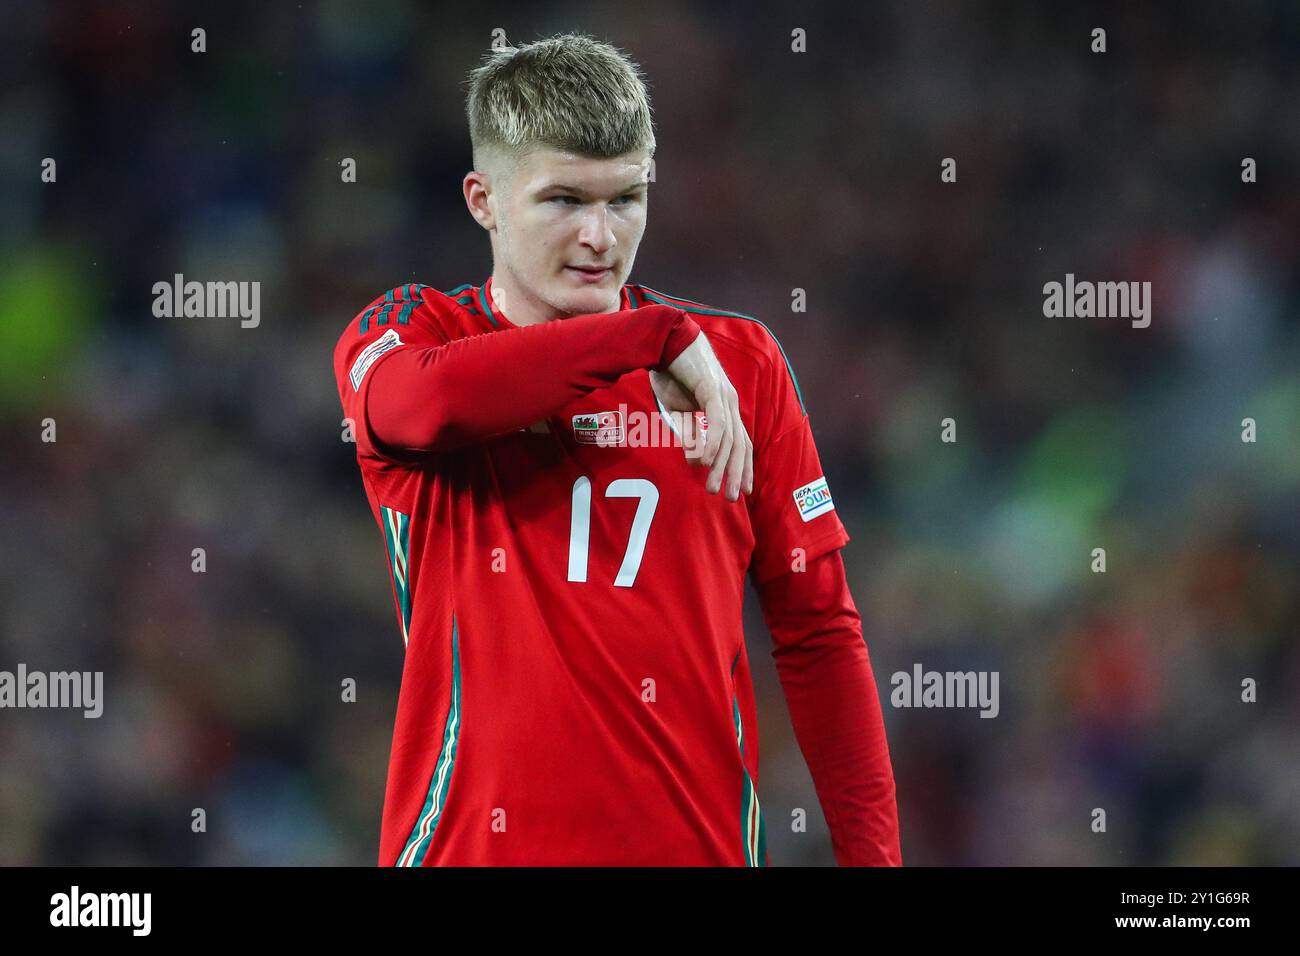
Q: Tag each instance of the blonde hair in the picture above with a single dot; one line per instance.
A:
(569, 92)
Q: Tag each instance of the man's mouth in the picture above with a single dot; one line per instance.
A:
(590, 273)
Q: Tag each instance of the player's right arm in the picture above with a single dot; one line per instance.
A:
(413, 391)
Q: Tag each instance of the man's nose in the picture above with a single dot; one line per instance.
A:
(595, 229)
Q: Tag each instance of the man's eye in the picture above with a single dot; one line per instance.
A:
(564, 199)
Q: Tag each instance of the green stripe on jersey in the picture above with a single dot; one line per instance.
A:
(397, 539)
(417, 844)
(486, 306)
(753, 830)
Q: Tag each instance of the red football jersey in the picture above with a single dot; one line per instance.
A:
(576, 689)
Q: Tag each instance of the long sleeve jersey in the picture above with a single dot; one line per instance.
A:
(576, 689)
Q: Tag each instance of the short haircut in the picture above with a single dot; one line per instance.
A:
(569, 92)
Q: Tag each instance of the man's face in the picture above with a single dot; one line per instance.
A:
(568, 227)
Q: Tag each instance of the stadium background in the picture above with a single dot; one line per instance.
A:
(774, 171)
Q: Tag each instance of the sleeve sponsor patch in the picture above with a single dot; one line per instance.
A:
(385, 343)
(813, 499)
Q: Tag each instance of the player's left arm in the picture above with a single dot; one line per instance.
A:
(821, 656)
(825, 672)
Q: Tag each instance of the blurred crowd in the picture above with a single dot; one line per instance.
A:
(775, 171)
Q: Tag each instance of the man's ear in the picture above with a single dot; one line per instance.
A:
(477, 187)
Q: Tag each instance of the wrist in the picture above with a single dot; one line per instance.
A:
(681, 336)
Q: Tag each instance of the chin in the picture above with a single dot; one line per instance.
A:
(586, 301)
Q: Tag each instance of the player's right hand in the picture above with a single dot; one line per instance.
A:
(728, 452)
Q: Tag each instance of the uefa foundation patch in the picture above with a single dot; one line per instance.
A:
(813, 499)
(370, 354)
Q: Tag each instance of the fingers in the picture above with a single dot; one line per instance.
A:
(729, 452)
(718, 471)
(694, 438)
(749, 464)
(717, 442)
(741, 456)
(740, 461)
